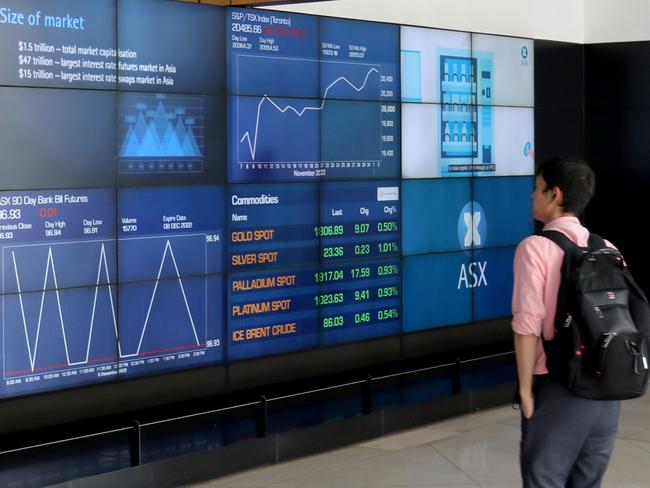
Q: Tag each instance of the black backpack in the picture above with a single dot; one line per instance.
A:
(602, 324)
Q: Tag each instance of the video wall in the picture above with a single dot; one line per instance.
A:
(187, 185)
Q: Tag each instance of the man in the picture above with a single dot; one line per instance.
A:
(566, 440)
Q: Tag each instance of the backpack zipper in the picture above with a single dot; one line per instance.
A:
(608, 338)
(598, 310)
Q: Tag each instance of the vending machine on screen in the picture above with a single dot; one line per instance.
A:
(466, 115)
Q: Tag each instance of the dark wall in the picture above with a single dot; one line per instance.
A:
(559, 99)
(593, 101)
(617, 136)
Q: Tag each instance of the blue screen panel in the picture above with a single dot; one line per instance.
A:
(273, 139)
(69, 44)
(171, 295)
(359, 60)
(432, 215)
(171, 138)
(271, 312)
(58, 285)
(436, 292)
(171, 47)
(493, 277)
(58, 338)
(272, 225)
(359, 140)
(170, 324)
(272, 53)
(170, 232)
(57, 138)
(504, 206)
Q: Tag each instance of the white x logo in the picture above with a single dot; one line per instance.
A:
(472, 228)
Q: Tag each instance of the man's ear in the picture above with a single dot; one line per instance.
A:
(558, 196)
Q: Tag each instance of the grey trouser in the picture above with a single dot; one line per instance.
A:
(568, 440)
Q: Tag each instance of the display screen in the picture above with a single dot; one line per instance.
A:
(58, 283)
(438, 290)
(171, 47)
(188, 185)
(57, 138)
(170, 249)
(499, 143)
(505, 70)
(444, 215)
(431, 64)
(324, 108)
(432, 215)
(169, 138)
(319, 230)
(504, 207)
(171, 112)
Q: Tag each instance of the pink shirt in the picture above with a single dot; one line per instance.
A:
(537, 274)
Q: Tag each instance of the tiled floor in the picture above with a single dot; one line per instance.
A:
(478, 450)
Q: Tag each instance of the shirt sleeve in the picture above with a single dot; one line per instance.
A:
(528, 309)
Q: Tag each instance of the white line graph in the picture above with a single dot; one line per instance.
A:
(102, 266)
(153, 295)
(252, 145)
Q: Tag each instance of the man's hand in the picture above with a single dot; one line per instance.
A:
(527, 404)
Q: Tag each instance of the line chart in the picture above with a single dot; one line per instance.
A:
(54, 322)
(345, 125)
(50, 265)
(253, 145)
(169, 249)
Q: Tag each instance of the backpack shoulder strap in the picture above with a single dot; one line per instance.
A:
(596, 242)
(566, 244)
(570, 251)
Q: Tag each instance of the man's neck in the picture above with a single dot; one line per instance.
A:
(558, 215)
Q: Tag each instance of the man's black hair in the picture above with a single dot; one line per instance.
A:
(571, 175)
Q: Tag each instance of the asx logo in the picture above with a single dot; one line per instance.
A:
(472, 226)
(473, 271)
(524, 55)
(472, 232)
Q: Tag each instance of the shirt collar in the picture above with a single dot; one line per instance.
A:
(561, 222)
